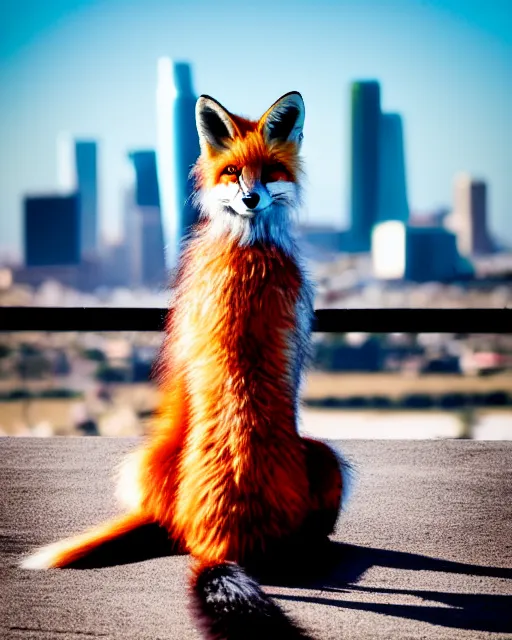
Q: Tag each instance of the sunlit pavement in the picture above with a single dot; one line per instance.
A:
(422, 550)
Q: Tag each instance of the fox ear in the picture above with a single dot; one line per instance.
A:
(214, 124)
(284, 120)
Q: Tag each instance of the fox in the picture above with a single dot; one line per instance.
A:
(223, 469)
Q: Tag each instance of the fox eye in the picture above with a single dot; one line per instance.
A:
(275, 172)
(231, 170)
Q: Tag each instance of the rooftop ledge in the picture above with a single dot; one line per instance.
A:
(422, 550)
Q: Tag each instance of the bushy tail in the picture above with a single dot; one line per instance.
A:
(70, 551)
(232, 606)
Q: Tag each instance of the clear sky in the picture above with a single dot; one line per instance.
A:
(89, 67)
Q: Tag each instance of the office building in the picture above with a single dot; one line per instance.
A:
(378, 186)
(392, 190)
(51, 230)
(177, 152)
(77, 171)
(143, 222)
(469, 217)
(365, 158)
(417, 254)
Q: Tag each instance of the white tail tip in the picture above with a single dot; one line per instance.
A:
(43, 558)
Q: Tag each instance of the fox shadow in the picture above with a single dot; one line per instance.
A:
(339, 567)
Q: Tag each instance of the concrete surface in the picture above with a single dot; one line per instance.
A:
(423, 549)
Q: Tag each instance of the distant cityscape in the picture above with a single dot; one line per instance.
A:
(101, 384)
(378, 250)
(385, 243)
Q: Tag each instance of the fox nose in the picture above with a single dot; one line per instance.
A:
(251, 200)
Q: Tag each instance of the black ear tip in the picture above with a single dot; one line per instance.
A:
(292, 99)
(213, 122)
(294, 93)
(203, 101)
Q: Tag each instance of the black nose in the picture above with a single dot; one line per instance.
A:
(251, 200)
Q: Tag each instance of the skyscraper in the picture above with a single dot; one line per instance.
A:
(378, 189)
(77, 171)
(146, 180)
(392, 190)
(469, 217)
(177, 149)
(143, 222)
(365, 158)
(51, 230)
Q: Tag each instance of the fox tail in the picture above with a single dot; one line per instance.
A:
(231, 605)
(70, 551)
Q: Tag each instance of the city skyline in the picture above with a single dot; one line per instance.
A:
(442, 65)
(77, 171)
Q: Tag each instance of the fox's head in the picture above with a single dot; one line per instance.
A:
(248, 171)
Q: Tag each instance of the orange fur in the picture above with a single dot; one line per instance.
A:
(224, 469)
(240, 305)
(250, 151)
(69, 551)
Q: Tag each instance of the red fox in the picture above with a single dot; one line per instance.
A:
(224, 470)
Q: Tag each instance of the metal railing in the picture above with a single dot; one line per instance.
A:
(458, 321)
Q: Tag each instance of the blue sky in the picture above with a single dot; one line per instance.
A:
(90, 68)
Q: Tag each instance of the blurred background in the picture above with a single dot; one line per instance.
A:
(360, 385)
(407, 148)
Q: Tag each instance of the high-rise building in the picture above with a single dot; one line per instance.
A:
(147, 193)
(469, 217)
(419, 254)
(77, 171)
(177, 149)
(365, 158)
(143, 222)
(431, 255)
(51, 230)
(392, 190)
(378, 188)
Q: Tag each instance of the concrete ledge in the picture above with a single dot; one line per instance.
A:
(423, 550)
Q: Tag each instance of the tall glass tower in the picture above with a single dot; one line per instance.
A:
(77, 169)
(177, 151)
(365, 146)
(392, 191)
(143, 222)
(469, 216)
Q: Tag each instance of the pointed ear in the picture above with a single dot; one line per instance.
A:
(214, 124)
(284, 120)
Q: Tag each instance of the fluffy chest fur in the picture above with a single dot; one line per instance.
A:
(241, 478)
